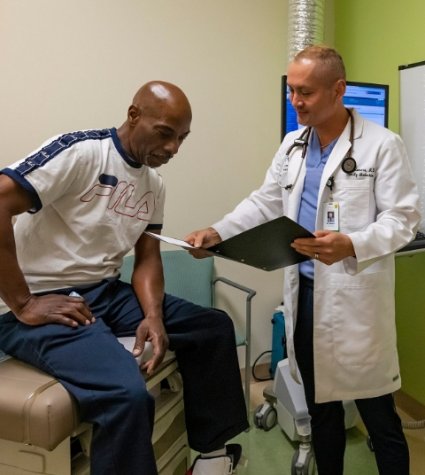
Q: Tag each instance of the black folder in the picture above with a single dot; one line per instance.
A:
(266, 246)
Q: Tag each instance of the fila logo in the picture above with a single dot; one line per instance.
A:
(121, 199)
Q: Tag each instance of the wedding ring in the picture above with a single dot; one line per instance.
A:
(316, 255)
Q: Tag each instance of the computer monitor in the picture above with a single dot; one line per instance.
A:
(369, 99)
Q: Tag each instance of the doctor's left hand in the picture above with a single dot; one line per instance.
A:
(327, 246)
(151, 329)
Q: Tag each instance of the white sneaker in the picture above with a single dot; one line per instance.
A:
(219, 465)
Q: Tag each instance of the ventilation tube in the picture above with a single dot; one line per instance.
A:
(305, 25)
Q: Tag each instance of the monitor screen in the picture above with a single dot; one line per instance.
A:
(370, 100)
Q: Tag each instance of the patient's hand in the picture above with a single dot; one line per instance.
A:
(55, 308)
(152, 330)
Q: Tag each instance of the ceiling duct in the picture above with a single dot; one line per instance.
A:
(305, 24)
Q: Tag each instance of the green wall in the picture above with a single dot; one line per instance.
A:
(410, 311)
(375, 37)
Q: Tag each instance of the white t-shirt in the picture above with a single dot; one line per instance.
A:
(91, 205)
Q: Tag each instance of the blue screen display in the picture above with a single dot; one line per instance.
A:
(369, 99)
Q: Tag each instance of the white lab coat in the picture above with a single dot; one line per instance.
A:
(355, 354)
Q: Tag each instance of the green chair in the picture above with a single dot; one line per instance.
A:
(194, 280)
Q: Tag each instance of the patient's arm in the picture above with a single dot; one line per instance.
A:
(14, 291)
(148, 283)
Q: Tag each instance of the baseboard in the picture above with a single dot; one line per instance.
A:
(409, 405)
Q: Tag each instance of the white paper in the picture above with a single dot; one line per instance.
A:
(170, 240)
(129, 341)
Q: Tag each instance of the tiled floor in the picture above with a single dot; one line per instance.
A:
(270, 453)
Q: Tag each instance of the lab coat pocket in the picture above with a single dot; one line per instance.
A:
(354, 203)
(362, 316)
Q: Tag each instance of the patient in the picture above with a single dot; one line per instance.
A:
(82, 201)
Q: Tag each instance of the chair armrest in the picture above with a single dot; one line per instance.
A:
(247, 337)
(250, 294)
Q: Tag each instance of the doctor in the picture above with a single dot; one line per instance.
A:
(339, 305)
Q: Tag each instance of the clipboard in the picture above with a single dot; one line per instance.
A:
(266, 246)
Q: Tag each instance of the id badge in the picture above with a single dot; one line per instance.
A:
(331, 216)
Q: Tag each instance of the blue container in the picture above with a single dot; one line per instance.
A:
(278, 340)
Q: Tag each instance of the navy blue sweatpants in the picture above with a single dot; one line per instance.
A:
(105, 379)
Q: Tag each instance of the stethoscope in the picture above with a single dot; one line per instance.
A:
(348, 164)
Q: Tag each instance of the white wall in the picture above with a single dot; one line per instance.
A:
(71, 65)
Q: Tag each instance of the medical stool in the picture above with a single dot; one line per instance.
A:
(40, 431)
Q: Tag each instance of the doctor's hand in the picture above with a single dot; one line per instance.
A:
(151, 329)
(202, 239)
(327, 246)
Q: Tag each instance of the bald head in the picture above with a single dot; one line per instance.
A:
(156, 94)
(158, 121)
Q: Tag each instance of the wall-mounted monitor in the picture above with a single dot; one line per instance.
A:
(370, 100)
